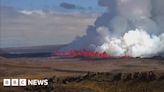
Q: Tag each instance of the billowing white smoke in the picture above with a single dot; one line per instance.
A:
(129, 27)
(135, 43)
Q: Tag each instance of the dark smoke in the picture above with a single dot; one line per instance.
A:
(67, 5)
(129, 27)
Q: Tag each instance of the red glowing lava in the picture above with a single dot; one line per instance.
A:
(88, 54)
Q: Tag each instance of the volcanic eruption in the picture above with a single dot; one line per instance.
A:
(128, 28)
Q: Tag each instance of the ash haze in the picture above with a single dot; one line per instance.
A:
(129, 28)
(23, 28)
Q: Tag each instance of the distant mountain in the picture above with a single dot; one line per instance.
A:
(33, 51)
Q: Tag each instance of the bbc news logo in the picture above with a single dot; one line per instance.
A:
(24, 82)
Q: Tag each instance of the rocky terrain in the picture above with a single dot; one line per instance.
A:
(106, 82)
(85, 75)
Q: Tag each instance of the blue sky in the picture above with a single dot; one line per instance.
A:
(47, 4)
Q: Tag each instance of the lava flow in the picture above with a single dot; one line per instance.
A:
(87, 54)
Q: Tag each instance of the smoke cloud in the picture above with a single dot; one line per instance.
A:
(129, 27)
(67, 5)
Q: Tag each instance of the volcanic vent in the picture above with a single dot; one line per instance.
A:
(128, 28)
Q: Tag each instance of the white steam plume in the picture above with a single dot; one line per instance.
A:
(129, 27)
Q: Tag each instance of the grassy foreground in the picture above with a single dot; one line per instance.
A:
(100, 82)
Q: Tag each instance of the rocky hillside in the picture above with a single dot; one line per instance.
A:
(149, 81)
